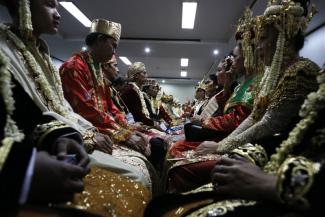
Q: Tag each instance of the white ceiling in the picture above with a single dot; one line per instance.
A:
(157, 24)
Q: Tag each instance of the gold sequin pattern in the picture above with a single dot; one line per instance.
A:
(109, 194)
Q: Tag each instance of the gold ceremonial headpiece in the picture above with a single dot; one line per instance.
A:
(150, 82)
(105, 27)
(166, 98)
(201, 85)
(245, 33)
(245, 23)
(289, 18)
(134, 69)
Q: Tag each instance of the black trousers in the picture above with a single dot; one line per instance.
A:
(158, 152)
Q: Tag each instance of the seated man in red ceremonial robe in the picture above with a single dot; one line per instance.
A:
(87, 88)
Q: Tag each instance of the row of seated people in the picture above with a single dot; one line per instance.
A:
(110, 145)
(80, 105)
(65, 125)
(280, 107)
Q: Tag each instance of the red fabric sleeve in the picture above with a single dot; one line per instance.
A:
(228, 122)
(75, 77)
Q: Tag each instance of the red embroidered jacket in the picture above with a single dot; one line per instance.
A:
(90, 96)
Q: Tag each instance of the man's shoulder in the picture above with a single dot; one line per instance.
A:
(129, 88)
(76, 62)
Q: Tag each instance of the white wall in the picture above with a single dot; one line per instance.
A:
(179, 91)
(57, 63)
(314, 48)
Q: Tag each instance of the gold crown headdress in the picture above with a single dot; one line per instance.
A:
(246, 34)
(287, 16)
(289, 19)
(106, 27)
(166, 97)
(201, 85)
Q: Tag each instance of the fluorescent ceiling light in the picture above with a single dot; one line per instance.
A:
(184, 62)
(188, 15)
(163, 81)
(216, 52)
(183, 73)
(126, 60)
(74, 11)
(147, 50)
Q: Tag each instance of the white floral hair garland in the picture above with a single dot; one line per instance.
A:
(11, 129)
(25, 19)
(11, 132)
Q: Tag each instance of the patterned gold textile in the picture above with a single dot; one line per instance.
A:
(109, 194)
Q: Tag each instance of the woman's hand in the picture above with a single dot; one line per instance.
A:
(240, 179)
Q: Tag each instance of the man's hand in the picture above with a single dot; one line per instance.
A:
(240, 179)
(54, 180)
(138, 142)
(64, 146)
(103, 143)
(207, 147)
(196, 121)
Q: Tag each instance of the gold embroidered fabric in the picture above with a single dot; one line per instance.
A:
(43, 130)
(295, 178)
(137, 161)
(220, 208)
(109, 194)
(297, 81)
(208, 206)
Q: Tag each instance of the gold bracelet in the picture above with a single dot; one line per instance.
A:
(89, 141)
(254, 153)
